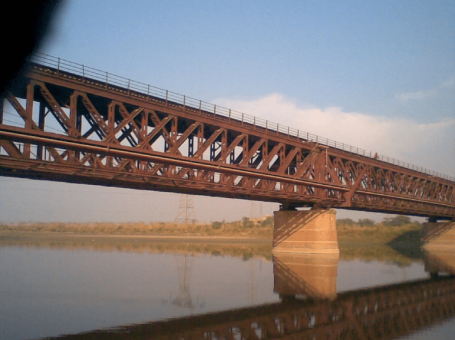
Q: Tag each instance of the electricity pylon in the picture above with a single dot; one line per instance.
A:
(185, 213)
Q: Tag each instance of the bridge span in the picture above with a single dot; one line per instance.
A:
(67, 122)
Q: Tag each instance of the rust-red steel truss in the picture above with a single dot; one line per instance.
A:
(61, 126)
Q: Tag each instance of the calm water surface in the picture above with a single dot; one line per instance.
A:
(175, 292)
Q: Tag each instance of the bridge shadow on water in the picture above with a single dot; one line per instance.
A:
(311, 308)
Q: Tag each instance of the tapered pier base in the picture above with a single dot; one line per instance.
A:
(305, 232)
(439, 236)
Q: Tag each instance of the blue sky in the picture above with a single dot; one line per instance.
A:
(377, 75)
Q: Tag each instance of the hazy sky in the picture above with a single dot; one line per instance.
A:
(377, 75)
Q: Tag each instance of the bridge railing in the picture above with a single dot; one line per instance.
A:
(109, 79)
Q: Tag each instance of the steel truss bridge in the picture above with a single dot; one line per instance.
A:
(66, 122)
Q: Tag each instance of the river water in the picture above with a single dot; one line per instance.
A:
(93, 288)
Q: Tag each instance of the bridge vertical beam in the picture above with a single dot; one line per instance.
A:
(75, 121)
(320, 164)
(111, 129)
(41, 124)
(222, 154)
(144, 119)
(29, 113)
(74, 114)
(305, 232)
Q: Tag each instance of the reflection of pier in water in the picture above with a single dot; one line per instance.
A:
(307, 275)
(384, 312)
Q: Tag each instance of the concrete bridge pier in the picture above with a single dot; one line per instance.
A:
(305, 232)
(439, 262)
(439, 236)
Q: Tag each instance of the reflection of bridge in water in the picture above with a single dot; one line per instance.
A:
(384, 312)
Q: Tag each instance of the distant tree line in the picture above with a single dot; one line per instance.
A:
(246, 222)
(397, 221)
(268, 221)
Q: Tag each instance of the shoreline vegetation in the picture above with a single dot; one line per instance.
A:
(394, 239)
(399, 228)
(246, 228)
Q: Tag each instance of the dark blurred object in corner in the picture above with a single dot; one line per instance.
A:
(25, 24)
